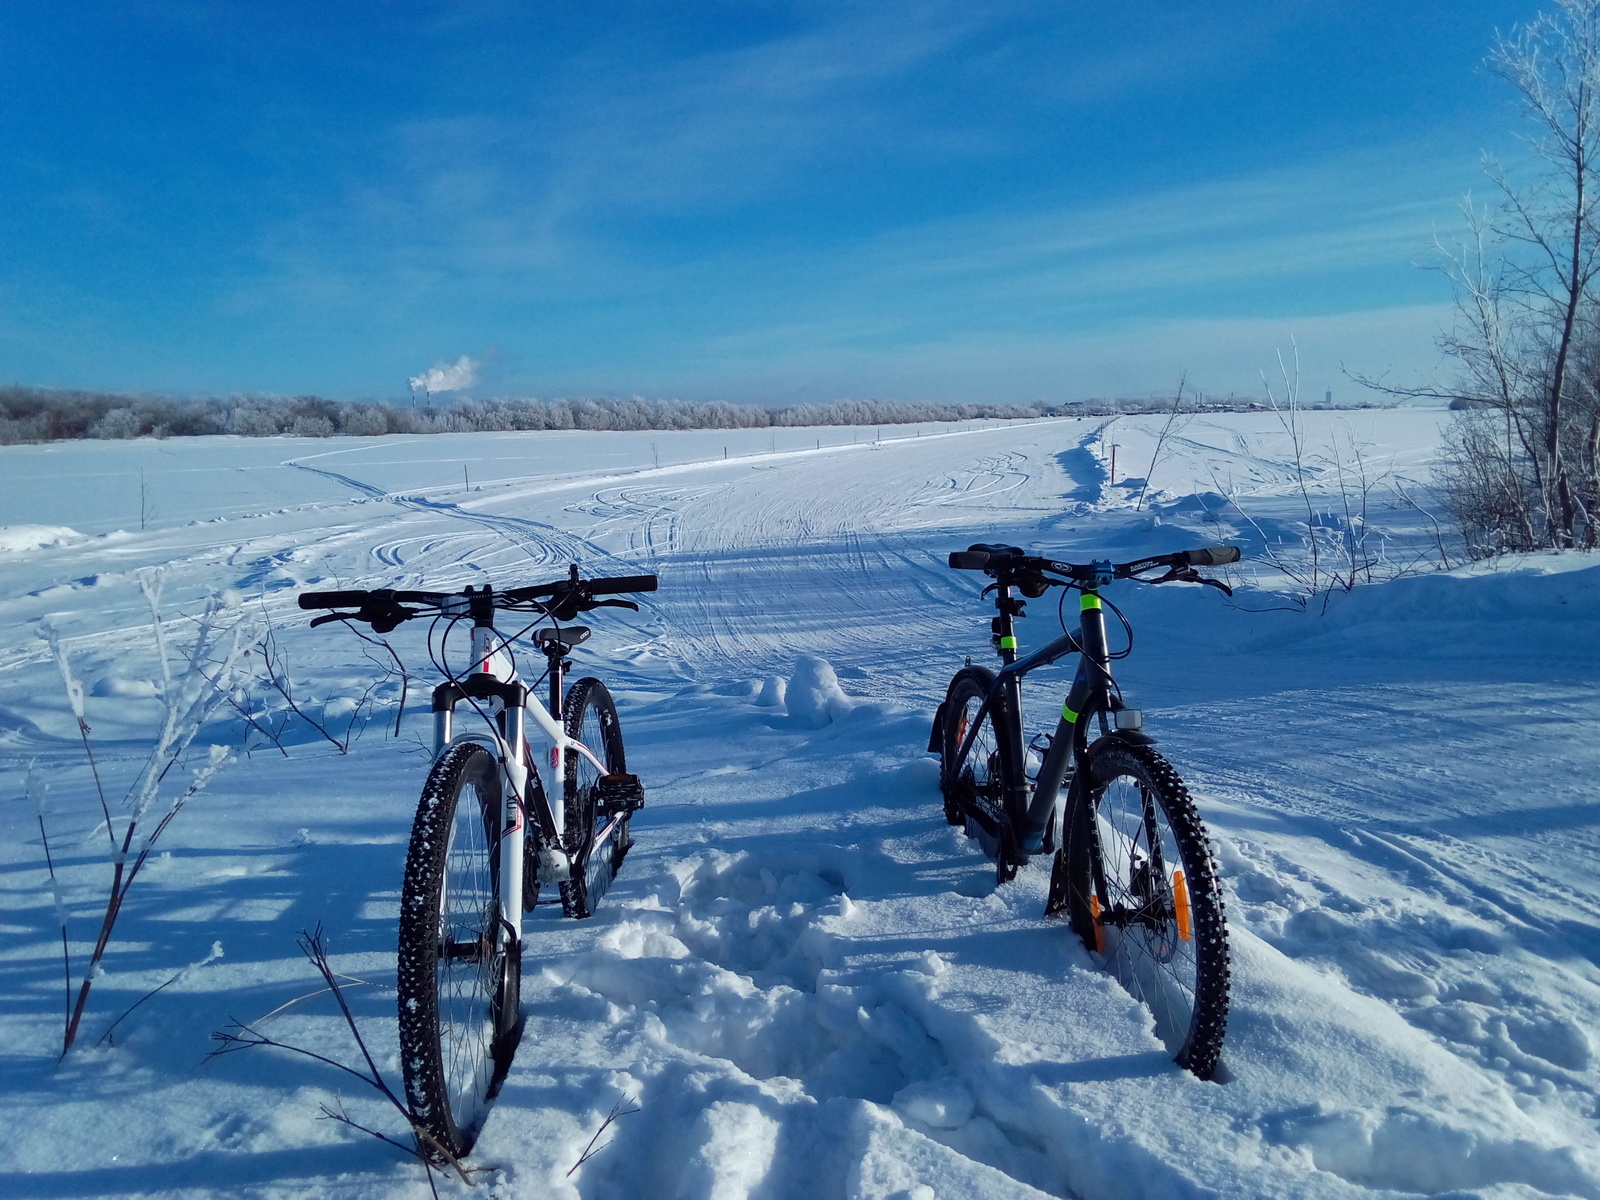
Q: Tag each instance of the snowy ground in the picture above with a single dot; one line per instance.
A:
(805, 982)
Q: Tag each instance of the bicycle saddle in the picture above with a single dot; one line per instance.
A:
(569, 637)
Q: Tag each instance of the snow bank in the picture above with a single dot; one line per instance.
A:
(17, 538)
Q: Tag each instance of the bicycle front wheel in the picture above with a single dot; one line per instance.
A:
(1136, 877)
(459, 974)
(596, 841)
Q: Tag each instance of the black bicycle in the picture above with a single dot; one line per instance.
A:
(491, 829)
(1132, 870)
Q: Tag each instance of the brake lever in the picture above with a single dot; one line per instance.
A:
(387, 618)
(1187, 575)
(323, 620)
(611, 604)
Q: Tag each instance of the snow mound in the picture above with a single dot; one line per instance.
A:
(17, 538)
(772, 691)
(814, 694)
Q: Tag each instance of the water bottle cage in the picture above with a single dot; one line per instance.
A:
(1039, 747)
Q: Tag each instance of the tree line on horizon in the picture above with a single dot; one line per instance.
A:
(31, 414)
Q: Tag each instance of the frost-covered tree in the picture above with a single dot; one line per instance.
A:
(1522, 463)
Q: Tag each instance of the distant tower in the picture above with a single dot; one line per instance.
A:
(1329, 399)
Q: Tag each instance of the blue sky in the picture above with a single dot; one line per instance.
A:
(770, 202)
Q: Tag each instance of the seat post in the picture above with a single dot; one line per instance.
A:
(556, 644)
(556, 653)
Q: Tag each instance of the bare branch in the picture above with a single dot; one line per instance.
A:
(591, 1149)
(239, 1035)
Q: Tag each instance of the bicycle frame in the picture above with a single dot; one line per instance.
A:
(1132, 865)
(508, 704)
(1091, 694)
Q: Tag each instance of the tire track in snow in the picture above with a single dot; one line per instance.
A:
(544, 544)
(775, 578)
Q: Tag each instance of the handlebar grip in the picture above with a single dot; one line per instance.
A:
(969, 560)
(623, 583)
(1212, 556)
(333, 599)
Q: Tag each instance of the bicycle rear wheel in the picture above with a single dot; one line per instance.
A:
(459, 976)
(596, 841)
(1136, 878)
(973, 787)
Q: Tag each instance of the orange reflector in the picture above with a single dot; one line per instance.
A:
(1180, 900)
(1099, 929)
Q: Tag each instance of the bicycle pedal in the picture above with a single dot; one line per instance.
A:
(554, 866)
(618, 793)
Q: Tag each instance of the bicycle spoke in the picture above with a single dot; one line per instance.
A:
(1143, 943)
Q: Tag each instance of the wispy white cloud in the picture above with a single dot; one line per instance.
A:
(626, 232)
(709, 134)
(1352, 211)
(1047, 300)
(1318, 246)
(1138, 356)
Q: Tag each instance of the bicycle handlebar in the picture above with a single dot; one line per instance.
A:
(383, 609)
(997, 560)
(353, 599)
(594, 587)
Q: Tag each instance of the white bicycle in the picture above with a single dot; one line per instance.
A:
(487, 835)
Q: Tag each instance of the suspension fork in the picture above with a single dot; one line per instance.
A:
(1090, 696)
(514, 829)
(1091, 689)
(493, 662)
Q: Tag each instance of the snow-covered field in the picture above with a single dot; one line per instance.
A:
(805, 983)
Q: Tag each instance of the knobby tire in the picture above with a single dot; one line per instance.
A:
(596, 842)
(459, 978)
(1131, 827)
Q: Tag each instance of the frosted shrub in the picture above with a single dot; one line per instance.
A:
(210, 668)
(364, 422)
(118, 423)
(252, 420)
(319, 427)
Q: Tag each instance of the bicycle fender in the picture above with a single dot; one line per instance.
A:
(482, 737)
(1123, 737)
(516, 772)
